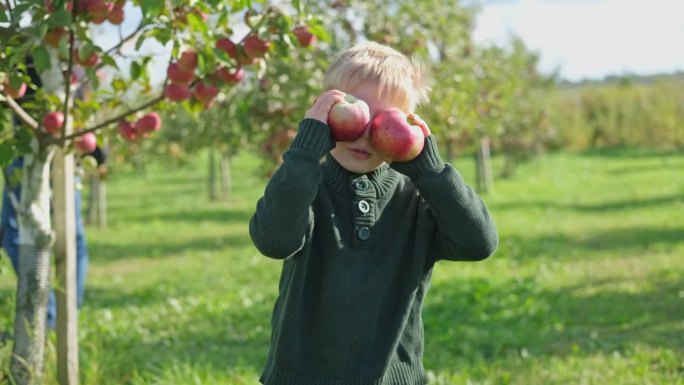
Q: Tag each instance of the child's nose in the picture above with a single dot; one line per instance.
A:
(366, 132)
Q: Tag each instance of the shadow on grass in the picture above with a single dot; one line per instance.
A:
(655, 202)
(619, 241)
(214, 341)
(114, 251)
(218, 214)
(474, 321)
(631, 153)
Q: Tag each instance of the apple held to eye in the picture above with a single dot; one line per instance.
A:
(395, 136)
(348, 119)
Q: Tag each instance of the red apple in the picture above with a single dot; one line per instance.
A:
(395, 136)
(98, 8)
(116, 16)
(149, 123)
(88, 62)
(205, 93)
(177, 92)
(86, 143)
(178, 76)
(127, 130)
(14, 94)
(348, 119)
(230, 77)
(53, 122)
(50, 6)
(256, 47)
(188, 61)
(303, 35)
(54, 36)
(227, 45)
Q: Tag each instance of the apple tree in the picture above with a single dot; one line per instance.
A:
(49, 116)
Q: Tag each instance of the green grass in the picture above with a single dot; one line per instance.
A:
(587, 286)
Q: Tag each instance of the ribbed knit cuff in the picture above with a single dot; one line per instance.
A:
(313, 135)
(427, 162)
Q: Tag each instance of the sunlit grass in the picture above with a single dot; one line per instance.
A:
(586, 287)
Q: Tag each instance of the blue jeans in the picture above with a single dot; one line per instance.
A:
(10, 242)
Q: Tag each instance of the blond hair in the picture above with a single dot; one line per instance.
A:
(397, 76)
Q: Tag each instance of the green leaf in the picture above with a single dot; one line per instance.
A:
(41, 58)
(151, 8)
(60, 18)
(108, 60)
(119, 85)
(136, 70)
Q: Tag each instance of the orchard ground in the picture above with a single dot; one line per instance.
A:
(587, 286)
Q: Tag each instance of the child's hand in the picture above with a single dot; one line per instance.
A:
(415, 119)
(322, 105)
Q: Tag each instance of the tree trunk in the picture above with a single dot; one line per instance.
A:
(33, 276)
(101, 202)
(485, 181)
(225, 175)
(213, 194)
(92, 209)
(96, 213)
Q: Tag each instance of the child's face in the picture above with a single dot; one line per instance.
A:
(358, 156)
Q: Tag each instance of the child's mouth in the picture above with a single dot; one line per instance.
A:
(360, 154)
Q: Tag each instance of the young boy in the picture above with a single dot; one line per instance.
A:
(360, 237)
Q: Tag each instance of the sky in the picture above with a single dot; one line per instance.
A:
(581, 39)
(590, 39)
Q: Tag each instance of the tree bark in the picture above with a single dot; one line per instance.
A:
(485, 180)
(213, 194)
(33, 276)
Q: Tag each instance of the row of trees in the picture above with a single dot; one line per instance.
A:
(624, 114)
(479, 94)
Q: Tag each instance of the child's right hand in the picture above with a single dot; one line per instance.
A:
(322, 105)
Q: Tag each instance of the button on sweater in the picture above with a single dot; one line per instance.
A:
(358, 251)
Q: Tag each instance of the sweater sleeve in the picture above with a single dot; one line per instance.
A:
(465, 229)
(283, 215)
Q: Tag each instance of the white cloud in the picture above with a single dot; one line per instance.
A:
(592, 38)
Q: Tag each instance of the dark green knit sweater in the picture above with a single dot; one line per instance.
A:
(359, 252)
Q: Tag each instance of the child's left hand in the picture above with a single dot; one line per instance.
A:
(415, 119)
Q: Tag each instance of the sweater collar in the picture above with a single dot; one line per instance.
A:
(383, 178)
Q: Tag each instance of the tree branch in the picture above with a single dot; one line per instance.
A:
(143, 106)
(122, 42)
(21, 113)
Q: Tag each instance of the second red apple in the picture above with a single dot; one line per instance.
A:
(395, 136)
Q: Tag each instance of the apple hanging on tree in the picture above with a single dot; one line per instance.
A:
(148, 123)
(14, 93)
(396, 136)
(188, 61)
(304, 36)
(177, 92)
(53, 122)
(177, 75)
(230, 76)
(127, 130)
(348, 119)
(205, 94)
(86, 143)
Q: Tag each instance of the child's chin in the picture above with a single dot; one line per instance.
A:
(361, 167)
